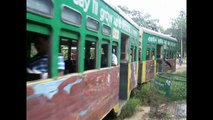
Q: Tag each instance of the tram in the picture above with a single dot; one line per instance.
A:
(85, 32)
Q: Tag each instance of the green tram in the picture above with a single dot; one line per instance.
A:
(86, 32)
(159, 54)
(81, 30)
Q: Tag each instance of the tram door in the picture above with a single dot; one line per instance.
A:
(123, 67)
(159, 58)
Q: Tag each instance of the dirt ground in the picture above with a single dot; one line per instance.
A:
(175, 110)
(179, 68)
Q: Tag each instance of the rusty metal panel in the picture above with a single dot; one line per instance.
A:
(133, 75)
(86, 96)
(140, 71)
(166, 67)
(149, 70)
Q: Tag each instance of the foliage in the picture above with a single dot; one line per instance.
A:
(142, 19)
(149, 94)
(130, 108)
(178, 30)
(177, 89)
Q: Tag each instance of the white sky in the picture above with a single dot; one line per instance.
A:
(163, 10)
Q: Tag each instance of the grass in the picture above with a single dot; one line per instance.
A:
(150, 95)
(130, 108)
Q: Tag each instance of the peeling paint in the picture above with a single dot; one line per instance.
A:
(108, 80)
(68, 87)
(83, 112)
(47, 89)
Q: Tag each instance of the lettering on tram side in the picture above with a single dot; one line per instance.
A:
(160, 41)
(105, 15)
(95, 7)
(83, 4)
(152, 39)
(115, 33)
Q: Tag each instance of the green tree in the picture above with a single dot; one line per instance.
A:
(178, 31)
(144, 20)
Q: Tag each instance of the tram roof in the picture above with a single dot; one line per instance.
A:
(166, 36)
(119, 11)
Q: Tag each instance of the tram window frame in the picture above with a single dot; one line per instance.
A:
(88, 60)
(93, 20)
(71, 65)
(103, 52)
(132, 54)
(103, 28)
(31, 41)
(115, 46)
(153, 53)
(34, 10)
(124, 48)
(140, 54)
(135, 55)
(68, 20)
(148, 54)
(170, 54)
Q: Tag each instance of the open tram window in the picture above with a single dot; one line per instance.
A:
(90, 55)
(153, 54)
(114, 58)
(124, 44)
(105, 55)
(139, 54)
(167, 54)
(135, 55)
(38, 46)
(114, 47)
(69, 50)
(148, 54)
(131, 54)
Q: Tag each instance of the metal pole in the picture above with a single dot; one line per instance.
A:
(181, 42)
(181, 35)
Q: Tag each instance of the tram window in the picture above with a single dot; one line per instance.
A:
(69, 50)
(135, 55)
(148, 54)
(174, 55)
(105, 55)
(92, 24)
(106, 30)
(37, 57)
(42, 7)
(116, 50)
(153, 54)
(132, 54)
(90, 55)
(114, 59)
(139, 55)
(123, 49)
(167, 54)
(71, 16)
